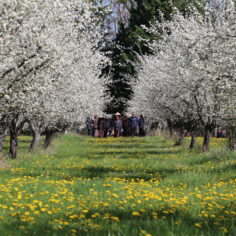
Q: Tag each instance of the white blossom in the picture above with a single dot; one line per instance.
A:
(49, 62)
(191, 76)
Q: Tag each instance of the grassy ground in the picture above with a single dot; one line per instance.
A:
(130, 186)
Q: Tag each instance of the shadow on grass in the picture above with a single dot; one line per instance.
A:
(212, 157)
(127, 154)
(121, 146)
(101, 173)
(228, 170)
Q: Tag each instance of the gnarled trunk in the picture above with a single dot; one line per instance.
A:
(35, 140)
(13, 145)
(170, 128)
(15, 128)
(36, 133)
(193, 140)
(49, 136)
(232, 138)
(207, 137)
(180, 140)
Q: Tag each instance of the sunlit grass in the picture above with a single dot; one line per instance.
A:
(129, 186)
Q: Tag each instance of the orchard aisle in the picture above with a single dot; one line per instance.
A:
(139, 186)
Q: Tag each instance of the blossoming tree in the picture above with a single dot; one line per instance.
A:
(49, 65)
(191, 76)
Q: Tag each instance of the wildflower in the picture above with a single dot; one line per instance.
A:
(95, 215)
(154, 215)
(198, 225)
(135, 213)
(225, 230)
(115, 218)
(178, 222)
(145, 233)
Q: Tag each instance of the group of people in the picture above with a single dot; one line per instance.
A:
(221, 133)
(117, 126)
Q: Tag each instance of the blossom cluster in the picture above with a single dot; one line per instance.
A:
(190, 78)
(50, 63)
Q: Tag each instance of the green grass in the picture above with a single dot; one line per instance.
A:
(126, 186)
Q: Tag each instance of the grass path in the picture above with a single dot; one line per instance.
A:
(132, 186)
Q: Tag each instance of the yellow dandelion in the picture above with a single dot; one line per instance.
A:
(115, 218)
(198, 225)
(225, 230)
(178, 222)
(135, 213)
(216, 223)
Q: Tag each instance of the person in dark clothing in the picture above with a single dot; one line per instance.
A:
(89, 125)
(107, 126)
(134, 122)
(219, 133)
(100, 127)
(141, 126)
(126, 126)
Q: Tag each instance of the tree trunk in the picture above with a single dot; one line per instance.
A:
(49, 135)
(35, 140)
(232, 138)
(171, 128)
(206, 141)
(193, 140)
(15, 128)
(180, 140)
(36, 133)
(3, 135)
(13, 145)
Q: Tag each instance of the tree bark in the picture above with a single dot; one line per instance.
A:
(15, 128)
(13, 145)
(232, 138)
(3, 134)
(180, 140)
(36, 133)
(35, 140)
(206, 141)
(193, 140)
(49, 136)
(171, 128)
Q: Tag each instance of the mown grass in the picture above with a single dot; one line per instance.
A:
(125, 186)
